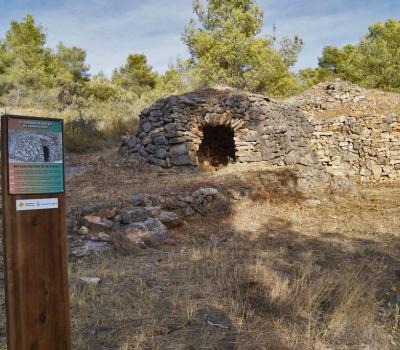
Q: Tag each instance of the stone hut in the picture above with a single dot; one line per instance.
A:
(220, 126)
(336, 127)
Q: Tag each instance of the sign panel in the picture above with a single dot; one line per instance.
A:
(36, 204)
(35, 156)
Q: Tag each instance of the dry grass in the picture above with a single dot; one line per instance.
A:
(268, 272)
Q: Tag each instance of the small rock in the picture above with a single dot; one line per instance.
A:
(160, 140)
(161, 153)
(307, 160)
(90, 247)
(177, 150)
(234, 194)
(146, 127)
(89, 209)
(107, 213)
(100, 237)
(312, 202)
(143, 199)
(292, 157)
(156, 113)
(170, 219)
(83, 230)
(377, 172)
(96, 223)
(135, 214)
(206, 191)
(152, 211)
(151, 232)
(90, 280)
(365, 172)
(132, 142)
(170, 128)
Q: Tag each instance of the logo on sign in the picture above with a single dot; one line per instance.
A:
(35, 204)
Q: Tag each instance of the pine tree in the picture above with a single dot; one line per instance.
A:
(374, 62)
(226, 48)
(136, 75)
(24, 47)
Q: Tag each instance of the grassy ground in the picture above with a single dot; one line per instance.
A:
(267, 272)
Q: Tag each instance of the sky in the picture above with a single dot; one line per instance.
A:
(109, 30)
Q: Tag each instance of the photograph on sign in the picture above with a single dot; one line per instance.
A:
(35, 156)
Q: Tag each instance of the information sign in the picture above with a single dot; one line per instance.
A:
(35, 156)
(34, 234)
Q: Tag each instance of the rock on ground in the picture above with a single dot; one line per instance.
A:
(90, 247)
(149, 233)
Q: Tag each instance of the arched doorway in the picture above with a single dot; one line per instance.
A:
(218, 145)
(46, 153)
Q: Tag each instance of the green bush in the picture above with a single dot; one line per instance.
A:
(81, 135)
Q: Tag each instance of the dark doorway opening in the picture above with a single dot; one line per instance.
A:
(46, 154)
(218, 146)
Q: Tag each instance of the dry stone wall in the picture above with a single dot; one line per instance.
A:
(365, 147)
(356, 131)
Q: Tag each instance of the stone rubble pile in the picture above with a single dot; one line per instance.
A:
(330, 95)
(142, 219)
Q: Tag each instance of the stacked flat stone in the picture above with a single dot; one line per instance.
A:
(357, 131)
(171, 131)
(365, 147)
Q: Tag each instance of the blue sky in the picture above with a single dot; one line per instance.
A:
(111, 29)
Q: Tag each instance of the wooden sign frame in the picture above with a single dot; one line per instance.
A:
(36, 262)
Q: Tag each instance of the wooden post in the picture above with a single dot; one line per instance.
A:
(34, 236)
